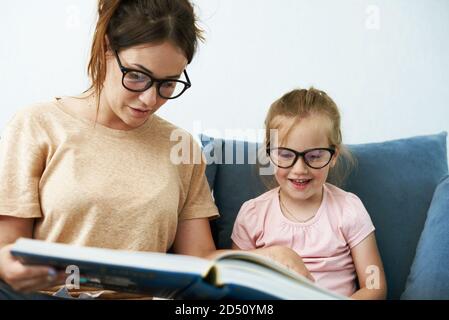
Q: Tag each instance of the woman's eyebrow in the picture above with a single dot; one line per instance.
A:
(151, 73)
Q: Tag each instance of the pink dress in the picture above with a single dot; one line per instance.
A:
(324, 242)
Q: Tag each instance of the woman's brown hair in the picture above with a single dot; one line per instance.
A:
(301, 103)
(128, 23)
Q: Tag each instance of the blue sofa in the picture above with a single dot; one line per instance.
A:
(404, 185)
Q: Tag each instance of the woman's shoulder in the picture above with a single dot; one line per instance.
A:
(173, 135)
(164, 125)
(166, 128)
(33, 114)
(37, 108)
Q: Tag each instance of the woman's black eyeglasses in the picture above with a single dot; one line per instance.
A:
(314, 158)
(139, 81)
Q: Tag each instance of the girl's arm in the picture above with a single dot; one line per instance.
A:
(194, 238)
(285, 256)
(370, 271)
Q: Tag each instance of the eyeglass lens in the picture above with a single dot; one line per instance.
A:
(314, 158)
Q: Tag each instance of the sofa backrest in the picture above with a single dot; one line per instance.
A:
(394, 179)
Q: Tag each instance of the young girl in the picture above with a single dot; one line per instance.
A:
(327, 227)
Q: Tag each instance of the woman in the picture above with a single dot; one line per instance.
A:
(95, 170)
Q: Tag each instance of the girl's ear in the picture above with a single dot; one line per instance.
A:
(335, 157)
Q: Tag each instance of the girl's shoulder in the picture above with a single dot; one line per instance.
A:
(339, 195)
(346, 203)
(262, 203)
(345, 206)
(255, 211)
(349, 214)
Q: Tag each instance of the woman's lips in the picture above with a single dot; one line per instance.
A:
(139, 113)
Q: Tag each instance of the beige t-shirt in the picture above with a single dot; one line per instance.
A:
(95, 186)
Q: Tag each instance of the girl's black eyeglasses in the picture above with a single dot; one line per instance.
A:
(314, 158)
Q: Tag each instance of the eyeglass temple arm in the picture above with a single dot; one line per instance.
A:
(187, 77)
(118, 60)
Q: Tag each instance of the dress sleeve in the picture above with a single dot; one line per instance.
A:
(357, 223)
(22, 162)
(247, 228)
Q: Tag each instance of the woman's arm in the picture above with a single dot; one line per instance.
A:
(370, 271)
(12, 228)
(20, 277)
(194, 238)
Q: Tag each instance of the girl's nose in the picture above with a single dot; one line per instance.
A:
(300, 166)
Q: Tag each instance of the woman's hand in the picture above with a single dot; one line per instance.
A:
(286, 257)
(26, 279)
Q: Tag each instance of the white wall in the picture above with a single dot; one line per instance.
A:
(385, 62)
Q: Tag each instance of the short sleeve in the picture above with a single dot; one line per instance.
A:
(246, 229)
(357, 224)
(199, 202)
(22, 163)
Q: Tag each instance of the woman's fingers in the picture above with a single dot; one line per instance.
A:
(13, 269)
(39, 282)
(25, 278)
(24, 272)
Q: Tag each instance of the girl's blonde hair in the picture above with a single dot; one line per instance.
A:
(299, 104)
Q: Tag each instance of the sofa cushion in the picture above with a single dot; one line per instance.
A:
(234, 182)
(394, 179)
(209, 153)
(429, 276)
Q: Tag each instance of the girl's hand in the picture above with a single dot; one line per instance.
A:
(286, 257)
(26, 279)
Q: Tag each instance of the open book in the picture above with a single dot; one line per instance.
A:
(232, 275)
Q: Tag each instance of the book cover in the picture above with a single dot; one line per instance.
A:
(232, 275)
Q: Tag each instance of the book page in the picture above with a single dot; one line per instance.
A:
(247, 280)
(248, 265)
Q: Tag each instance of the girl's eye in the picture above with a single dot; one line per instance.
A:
(285, 154)
(315, 155)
